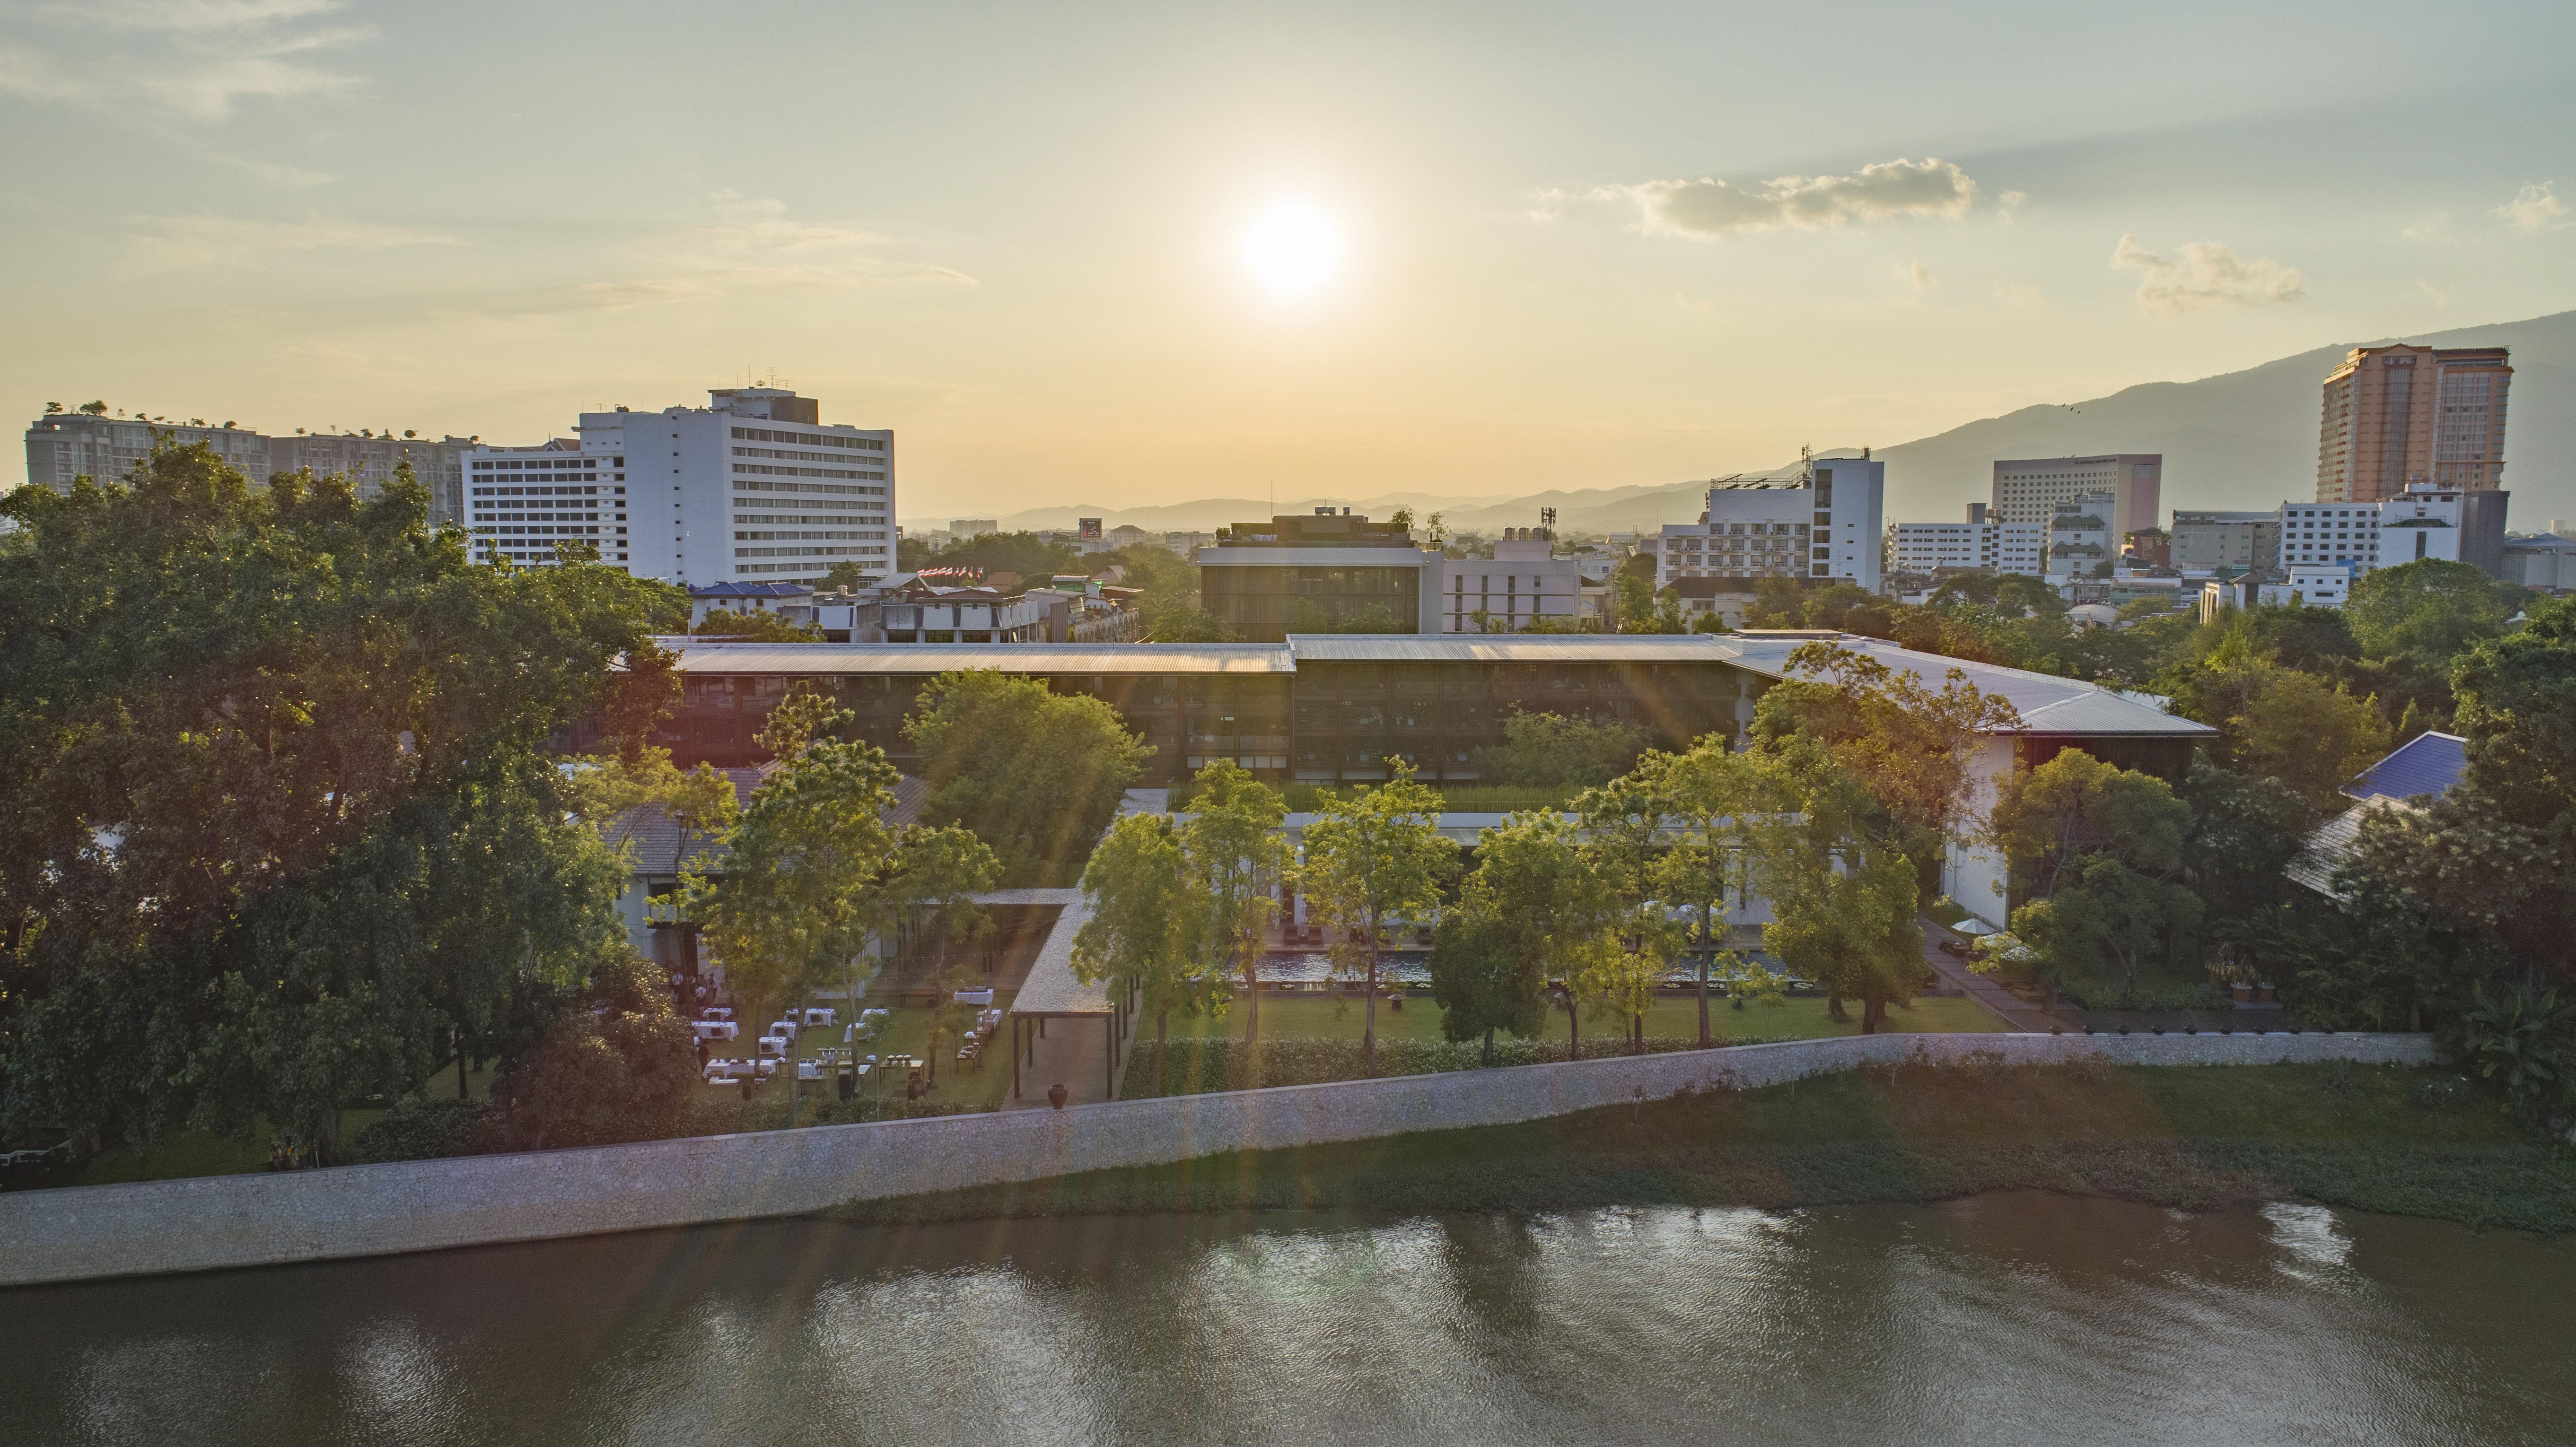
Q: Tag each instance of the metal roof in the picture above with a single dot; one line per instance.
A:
(2428, 763)
(700, 655)
(1050, 988)
(2048, 704)
(1505, 648)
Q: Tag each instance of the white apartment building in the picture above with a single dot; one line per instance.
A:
(1521, 583)
(523, 503)
(2429, 520)
(751, 487)
(1827, 530)
(1979, 544)
(2080, 539)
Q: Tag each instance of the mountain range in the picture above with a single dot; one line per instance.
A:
(2235, 440)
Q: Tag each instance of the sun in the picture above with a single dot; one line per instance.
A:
(1293, 249)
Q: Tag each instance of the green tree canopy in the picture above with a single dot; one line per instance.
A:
(2101, 848)
(2430, 610)
(1546, 749)
(1374, 857)
(1035, 773)
(1237, 857)
(278, 829)
(1536, 907)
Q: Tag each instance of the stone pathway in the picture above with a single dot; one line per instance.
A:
(2009, 1007)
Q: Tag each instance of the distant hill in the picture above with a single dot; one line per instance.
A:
(2249, 439)
(2239, 439)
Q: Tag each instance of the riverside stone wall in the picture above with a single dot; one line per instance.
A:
(215, 1222)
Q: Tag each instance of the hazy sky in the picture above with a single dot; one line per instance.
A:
(1581, 245)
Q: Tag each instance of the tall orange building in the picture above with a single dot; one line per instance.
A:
(2401, 414)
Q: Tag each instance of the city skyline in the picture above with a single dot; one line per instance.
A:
(1138, 258)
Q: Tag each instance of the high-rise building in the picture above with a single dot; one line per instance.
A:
(2080, 538)
(2399, 415)
(752, 487)
(2426, 521)
(964, 528)
(2028, 490)
(62, 446)
(1823, 528)
(369, 460)
(65, 445)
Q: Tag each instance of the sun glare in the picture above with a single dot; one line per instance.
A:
(1292, 249)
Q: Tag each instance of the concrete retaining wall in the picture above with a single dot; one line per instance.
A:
(252, 1220)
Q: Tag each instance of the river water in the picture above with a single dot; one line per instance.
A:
(2005, 1319)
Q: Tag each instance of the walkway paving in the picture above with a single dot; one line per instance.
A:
(2012, 1009)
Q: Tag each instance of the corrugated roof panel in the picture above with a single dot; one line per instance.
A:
(699, 655)
(1505, 648)
(2048, 704)
(2429, 763)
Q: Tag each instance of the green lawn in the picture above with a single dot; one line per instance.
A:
(1318, 1017)
(2382, 1138)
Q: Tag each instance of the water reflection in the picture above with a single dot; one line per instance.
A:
(1998, 1320)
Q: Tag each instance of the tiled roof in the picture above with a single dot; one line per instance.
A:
(2428, 763)
(2332, 844)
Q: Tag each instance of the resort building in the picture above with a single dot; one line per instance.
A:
(1335, 709)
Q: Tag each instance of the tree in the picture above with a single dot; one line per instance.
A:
(2429, 610)
(803, 869)
(1540, 750)
(1374, 618)
(1911, 748)
(1143, 936)
(2101, 847)
(1372, 857)
(1535, 908)
(1036, 774)
(2277, 722)
(1236, 856)
(277, 827)
(1189, 625)
(755, 625)
(618, 1067)
(1622, 824)
(1842, 898)
(1026, 555)
(1709, 799)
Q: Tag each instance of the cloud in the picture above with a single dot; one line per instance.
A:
(176, 243)
(1918, 276)
(2209, 277)
(750, 246)
(2440, 298)
(193, 58)
(1706, 209)
(2536, 207)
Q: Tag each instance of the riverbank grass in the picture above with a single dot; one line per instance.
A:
(2381, 1138)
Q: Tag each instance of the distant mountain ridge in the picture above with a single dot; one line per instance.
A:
(2238, 439)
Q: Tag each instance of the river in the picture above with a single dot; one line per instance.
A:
(2005, 1319)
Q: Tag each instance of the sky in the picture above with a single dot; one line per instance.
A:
(1531, 246)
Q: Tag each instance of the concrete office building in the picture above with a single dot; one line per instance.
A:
(751, 487)
(1523, 582)
(1978, 545)
(2547, 562)
(2206, 542)
(2395, 416)
(964, 528)
(1300, 572)
(1825, 528)
(2028, 490)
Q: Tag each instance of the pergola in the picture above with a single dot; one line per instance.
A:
(1050, 993)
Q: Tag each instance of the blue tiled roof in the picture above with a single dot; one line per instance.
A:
(750, 590)
(2428, 763)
